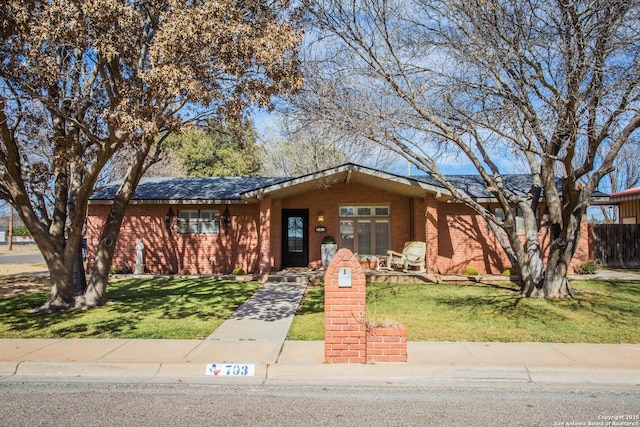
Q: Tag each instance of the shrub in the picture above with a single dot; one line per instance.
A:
(123, 269)
(184, 272)
(329, 240)
(238, 272)
(590, 266)
(507, 272)
(470, 272)
(21, 230)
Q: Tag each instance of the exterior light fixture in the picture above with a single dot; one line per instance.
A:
(320, 217)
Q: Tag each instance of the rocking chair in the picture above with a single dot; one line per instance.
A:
(412, 256)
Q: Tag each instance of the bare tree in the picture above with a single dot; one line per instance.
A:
(539, 81)
(84, 81)
(300, 147)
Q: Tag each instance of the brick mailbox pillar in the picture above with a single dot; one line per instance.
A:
(346, 337)
(345, 331)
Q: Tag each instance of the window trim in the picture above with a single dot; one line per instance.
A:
(373, 219)
(372, 214)
(209, 223)
(519, 217)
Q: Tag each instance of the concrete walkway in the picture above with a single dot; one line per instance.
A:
(266, 316)
(256, 334)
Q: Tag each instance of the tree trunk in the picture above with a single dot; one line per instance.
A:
(554, 284)
(532, 276)
(95, 294)
(63, 295)
(79, 277)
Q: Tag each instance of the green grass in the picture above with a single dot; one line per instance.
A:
(138, 308)
(601, 312)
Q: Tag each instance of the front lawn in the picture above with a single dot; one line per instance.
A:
(601, 312)
(176, 308)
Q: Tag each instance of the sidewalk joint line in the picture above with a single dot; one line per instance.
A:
(112, 350)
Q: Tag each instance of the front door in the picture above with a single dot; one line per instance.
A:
(295, 238)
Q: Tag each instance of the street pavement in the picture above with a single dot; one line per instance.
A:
(251, 348)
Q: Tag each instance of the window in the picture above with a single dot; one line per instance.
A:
(347, 211)
(517, 214)
(295, 234)
(365, 229)
(191, 221)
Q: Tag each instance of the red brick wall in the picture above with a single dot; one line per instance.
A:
(171, 253)
(464, 240)
(276, 233)
(387, 344)
(266, 215)
(329, 199)
(456, 237)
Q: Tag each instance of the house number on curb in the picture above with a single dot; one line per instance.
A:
(230, 370)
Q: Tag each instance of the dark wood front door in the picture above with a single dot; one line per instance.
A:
(295, 238)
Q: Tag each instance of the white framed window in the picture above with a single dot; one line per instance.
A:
(364, 211)
(193, 221)
(517, 214)
(365, 230)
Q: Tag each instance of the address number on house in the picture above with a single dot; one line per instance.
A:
(230, 370)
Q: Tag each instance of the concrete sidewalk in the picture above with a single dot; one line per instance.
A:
(302, 363)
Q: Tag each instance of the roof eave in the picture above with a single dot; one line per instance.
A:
(348, 168)
(174, 202)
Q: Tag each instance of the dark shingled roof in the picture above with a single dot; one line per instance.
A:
(475, 186)
(213, 188)
(231, 188)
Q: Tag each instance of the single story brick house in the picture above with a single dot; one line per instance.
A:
(214, 225)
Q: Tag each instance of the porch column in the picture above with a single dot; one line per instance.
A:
(418, 223)
(265, 235)
(431, 234)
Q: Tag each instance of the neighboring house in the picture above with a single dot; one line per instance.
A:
(628, 202)
(213, 225)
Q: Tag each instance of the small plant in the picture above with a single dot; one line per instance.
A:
(329, 240)
(381, 322)
(123, 269)
(507, 272)
(21, 230)
(590, 266)
(184, 272)
(238, 272)
(470, 272)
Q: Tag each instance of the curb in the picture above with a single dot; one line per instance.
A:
(387, 374)
(86, 369)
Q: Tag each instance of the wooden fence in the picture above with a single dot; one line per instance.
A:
(617, 245)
